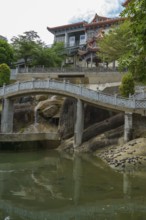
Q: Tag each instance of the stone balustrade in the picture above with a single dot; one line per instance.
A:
(72, 90)
(81, 94)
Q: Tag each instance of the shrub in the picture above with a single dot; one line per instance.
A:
(4, 74)
(127, 86)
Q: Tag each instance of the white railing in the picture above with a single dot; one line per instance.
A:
(73, 90)
(62, 70)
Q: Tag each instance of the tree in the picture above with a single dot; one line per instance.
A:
(116, 43)
(127, 43)
(25, 45)
(127, 86)
(135, 60)
(4, 74)
(34, 52)
(49, 56)
(6, 52)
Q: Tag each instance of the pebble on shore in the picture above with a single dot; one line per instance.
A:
(128, 157)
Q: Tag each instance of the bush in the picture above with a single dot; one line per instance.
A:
(127, 86)
(4, 74)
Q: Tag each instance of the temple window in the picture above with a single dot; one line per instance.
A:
(82, 39)
(60, 39)
(72, 41)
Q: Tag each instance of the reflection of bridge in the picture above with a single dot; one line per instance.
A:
(81, 94)
(76, 209)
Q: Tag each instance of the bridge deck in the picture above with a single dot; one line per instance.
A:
(97, 98)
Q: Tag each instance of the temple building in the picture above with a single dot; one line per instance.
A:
(80, 39)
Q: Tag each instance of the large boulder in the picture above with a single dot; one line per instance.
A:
(68, 116)
(41, 97)
(49, 107)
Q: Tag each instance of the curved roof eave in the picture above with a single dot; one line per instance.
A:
(101, 23)
(64, 27)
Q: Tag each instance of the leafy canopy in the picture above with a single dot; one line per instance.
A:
(25, 45)
(6, 52)
(127, 85)
(34, 52)
(116, 43)
(136, 59)
(127, 43)
(4, 74)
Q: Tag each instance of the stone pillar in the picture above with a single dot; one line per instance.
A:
(7, 116)
(79, 124)
(128, 127)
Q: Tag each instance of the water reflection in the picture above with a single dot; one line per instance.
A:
(48, 185)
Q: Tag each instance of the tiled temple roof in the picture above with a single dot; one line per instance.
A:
(103, 23)
(67, 26)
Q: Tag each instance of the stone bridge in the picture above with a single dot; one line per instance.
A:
(82, 94)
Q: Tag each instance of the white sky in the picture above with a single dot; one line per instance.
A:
(18, 16)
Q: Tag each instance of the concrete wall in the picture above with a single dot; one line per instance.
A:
(17, 137)
(94, 77)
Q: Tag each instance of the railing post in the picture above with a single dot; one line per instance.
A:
(33, 79)
(134, 103)
(97, 94)
(64, 81)
(81, 89)
(4, 85)
(18, 86)
(115, 96)
(48, 82)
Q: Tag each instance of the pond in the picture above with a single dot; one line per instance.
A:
(48, 185)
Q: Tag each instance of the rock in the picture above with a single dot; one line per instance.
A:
(26, 99)
(68, 116)
(50, 111)
(50, 107)
(101, 127)
(41, 97)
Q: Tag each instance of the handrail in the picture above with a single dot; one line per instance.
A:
(73, 90)
(63, 69)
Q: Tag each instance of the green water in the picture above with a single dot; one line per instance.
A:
(51, 186)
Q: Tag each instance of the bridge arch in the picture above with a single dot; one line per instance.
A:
(80, 93)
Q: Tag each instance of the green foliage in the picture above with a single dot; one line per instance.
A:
(35, 52)
(25, 45)
(116, 43)
(127, 86)
(4, 74)
(49, 56)
(127, 43)
(6, 52)
(135, 60)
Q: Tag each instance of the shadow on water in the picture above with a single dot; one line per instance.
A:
(48, 185)
(29, 145)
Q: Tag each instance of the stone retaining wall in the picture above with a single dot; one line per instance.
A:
(94, 77)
